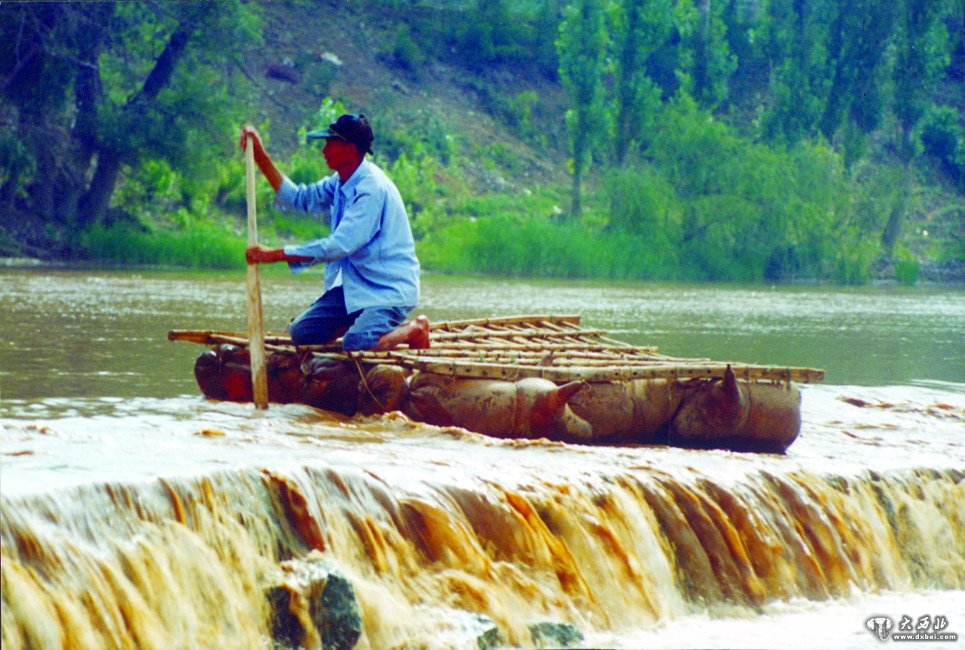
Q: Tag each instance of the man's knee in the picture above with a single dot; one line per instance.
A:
(371, 325)
(300, 333)
(323, 322)
(312, 331)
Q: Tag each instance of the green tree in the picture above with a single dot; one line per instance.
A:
(493, 33)
(478, 39)
(858, 40)
(749, 81)
(582, 47)
(796, 37)
(707, 62)
(99, 87)
(747, 210)
(545, 25)
(639, 27)
(921, 54)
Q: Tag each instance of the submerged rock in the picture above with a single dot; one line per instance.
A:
(486, 632)
(555, 635)
(472, 629)
(287, 631)
(314, 606)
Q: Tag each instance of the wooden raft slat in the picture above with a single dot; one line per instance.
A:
(450, 325)
(524, 334)
(554, 347)
(471, 369)
(560, 355)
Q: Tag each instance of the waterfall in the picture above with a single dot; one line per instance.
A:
(185, 562)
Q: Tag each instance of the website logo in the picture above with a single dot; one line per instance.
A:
(880, 625)
(922, 628)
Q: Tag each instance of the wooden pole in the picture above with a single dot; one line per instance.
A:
(256, 328)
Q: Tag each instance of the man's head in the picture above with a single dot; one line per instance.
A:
(347, 140)
(354, 129)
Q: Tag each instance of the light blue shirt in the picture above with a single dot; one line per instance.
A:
(370, 250)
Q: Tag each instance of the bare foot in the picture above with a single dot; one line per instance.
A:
(414, 333)
(419, 336)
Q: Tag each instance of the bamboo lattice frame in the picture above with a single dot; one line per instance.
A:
(511, 348)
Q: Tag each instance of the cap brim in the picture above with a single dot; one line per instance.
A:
(323, 134)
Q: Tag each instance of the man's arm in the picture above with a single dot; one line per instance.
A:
(360, 223)
(263, 255)
(260, 254)
(262, 159)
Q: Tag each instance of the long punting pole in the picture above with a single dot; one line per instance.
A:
(256, 328)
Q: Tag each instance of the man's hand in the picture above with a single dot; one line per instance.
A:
(262, 255)
(262, 159)
(250, 132)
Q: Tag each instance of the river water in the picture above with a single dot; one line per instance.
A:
(136, 514)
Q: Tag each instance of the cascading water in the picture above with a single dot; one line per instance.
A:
(428, 525)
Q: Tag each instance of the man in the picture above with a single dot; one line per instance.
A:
(371, 270)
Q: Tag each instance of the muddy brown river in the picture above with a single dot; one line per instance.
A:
(137, 514)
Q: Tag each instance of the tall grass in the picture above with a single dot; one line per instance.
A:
(203, 244)
(532, 246)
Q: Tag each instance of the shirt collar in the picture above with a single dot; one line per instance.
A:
(361, 172)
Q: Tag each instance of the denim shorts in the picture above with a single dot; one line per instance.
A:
(327, 319)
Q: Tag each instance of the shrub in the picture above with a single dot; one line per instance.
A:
(16, 164)
(906, 267)
(942, 137)
(406, 52)
(642, 201)
(747, 211)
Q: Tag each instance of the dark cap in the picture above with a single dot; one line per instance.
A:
(351, 128)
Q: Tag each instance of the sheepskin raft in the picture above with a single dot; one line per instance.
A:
(527, 377)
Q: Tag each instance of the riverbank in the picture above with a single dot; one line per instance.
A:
(480, 151)
(932, 274)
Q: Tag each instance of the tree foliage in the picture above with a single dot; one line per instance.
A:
(921, 44)
(706, 63)
(796, 46)
(857, 42)
(829, 70)
(97, 88)
(638, 29)
(582, 47)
